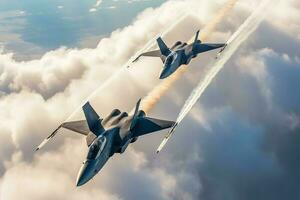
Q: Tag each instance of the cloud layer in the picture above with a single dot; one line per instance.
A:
(247, 139)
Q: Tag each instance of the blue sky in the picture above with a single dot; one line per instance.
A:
(240, 141)
(35, 26)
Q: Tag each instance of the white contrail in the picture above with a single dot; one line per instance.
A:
(146, 47)
(149, 45)
(244, 31)
(161, 89)
(153, 97)
(247, 28)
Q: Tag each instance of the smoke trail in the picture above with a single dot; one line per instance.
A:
(154, 96)
(245, 30)
(149, 45)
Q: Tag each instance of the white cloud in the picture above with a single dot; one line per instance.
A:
(39, 94)
(112, 7)
(96, 6)
(93, 10)
(98, 3)
(286, 17)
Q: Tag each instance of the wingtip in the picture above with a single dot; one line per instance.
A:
(173, 128)
(136, 59)
(221, 51)
(167, 137)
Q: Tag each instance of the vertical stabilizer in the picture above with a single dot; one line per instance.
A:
(163, 47)
(135, 115)
(92, 118)
(196, 39)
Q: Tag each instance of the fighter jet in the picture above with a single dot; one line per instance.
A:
(179, 54)
(108, 136)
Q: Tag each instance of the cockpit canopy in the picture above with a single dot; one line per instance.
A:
(170, 59)
(96, 148)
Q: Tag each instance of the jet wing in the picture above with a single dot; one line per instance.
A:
(80, 127)
(155, 53)
(203, 47)
(146, 125)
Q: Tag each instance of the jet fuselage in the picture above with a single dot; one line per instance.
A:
(115, 139)
(180, 55)
(109, 135)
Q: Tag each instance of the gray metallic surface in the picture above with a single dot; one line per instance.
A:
(109, 135)
(179, 54)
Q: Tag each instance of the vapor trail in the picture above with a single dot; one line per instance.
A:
(155, 95)
(244, 31)
(149, 45)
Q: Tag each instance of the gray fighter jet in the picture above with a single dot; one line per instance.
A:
(179, 54)
(108, 136)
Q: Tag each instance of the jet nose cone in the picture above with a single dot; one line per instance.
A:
(85, 174)
(164, 73)
(79, 182)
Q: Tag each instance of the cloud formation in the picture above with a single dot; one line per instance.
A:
(96, 6)
(34, 93)
(252, 110)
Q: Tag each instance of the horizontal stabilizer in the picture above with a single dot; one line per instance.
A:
(146, 125)
(201, 48)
